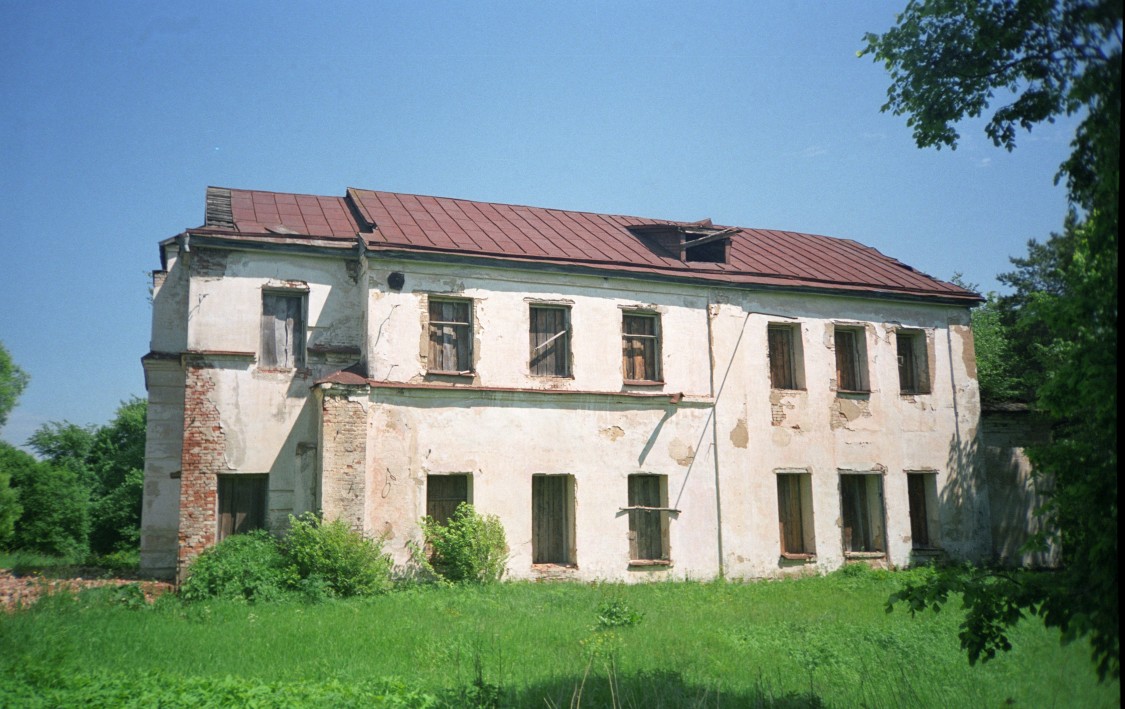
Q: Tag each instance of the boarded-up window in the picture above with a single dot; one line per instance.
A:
(552, 526)
(861, 502)
(550, 341)
(851, 369)
(913, 372)
(648, 518)
(242, 504)
(922, 490)
(443, 495)
(451, 336)
(783, 357)
(283, 330)
(640, 347)
(794, 514)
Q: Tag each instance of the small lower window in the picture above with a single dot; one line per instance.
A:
(444, 493)
(794, 515)
(648, 519)
(862, 513)
(242, 503)
(924, 524)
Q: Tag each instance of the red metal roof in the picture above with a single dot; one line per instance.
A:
(398, 222)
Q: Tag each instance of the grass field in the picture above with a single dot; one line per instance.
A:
(823, 641)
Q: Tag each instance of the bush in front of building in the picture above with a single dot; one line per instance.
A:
(469, 548)
(247, 567)
(332, 558)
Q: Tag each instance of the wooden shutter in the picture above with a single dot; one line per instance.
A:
(283, 330)
(242, 503)
(550, 348)
(549, 519)
(646, 527)
(847, 361)
(781, 358)
(450, 336)
(789, 516)
(907, 364)
(639, 350)
(919, 519)
(444, 493)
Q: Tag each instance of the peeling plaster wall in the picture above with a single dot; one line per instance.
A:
(364, 453)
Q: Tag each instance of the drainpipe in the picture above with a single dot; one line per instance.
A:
(715, 438)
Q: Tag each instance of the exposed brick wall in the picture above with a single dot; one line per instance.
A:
(203, 459)
(343, 457)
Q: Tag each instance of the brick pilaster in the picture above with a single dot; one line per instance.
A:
(343, 473)
(202, 459)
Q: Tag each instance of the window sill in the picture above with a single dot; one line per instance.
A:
(468, 374)
(643, 383)
(853, 392)
(789, 556)
(905, 394)
(927, 551)
(788, 390)
(865, 555)
(667, 563)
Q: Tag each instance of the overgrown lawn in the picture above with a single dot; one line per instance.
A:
(824, 641)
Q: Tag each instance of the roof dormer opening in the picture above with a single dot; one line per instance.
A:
(692, 243)
(703, 248)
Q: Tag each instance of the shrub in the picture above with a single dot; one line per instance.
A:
(54, 518)
(617, 613)
(332, 558)
(247, 567)
(470, 548)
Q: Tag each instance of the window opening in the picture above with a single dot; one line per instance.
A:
(851, 368)
(550, 341)
(552, 520)
(648, 518)
(450, 336)
(640, 347)
(861, 501)
(913, 372)
(242, 503)
(444, 493)
(784, 356)
(283, 331)
(922, 492)
(794, 514)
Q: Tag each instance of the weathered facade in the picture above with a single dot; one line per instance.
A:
(634, 398)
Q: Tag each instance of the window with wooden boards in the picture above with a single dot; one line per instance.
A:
(783, 354)
(552, 522)
(794, 515)
(922, 491)
(851, 367)
(444, 494)
(913, 372)
(648, 519)
(283, 331)
(549, 341)
(242, 503)
(862, 513)
(451, 336)
(640, 347)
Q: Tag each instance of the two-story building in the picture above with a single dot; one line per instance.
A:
(633, 398)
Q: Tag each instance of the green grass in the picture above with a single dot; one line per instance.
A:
(809, 642)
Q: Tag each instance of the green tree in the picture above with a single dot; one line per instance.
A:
(13, 381)
(10, 508)
(54, 518)
(948, 60)
(116, 462)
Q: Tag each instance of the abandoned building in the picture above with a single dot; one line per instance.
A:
(634, 398)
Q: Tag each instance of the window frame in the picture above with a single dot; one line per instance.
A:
(641, 524)
(793, 360)
(913, 362)
(922, 505)
(230, 487)
(869, 502)
(654, 337)
(850, 341)
(267, 351)
(463, 346)
(794, 493)
(543, 487)
(432, 502)
(560, 343)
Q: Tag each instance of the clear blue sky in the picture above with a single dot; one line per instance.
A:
(115, 116)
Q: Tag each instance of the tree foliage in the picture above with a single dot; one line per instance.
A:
(13, 381)
(948, 61)
(54, 518)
